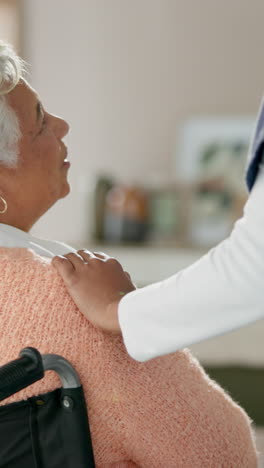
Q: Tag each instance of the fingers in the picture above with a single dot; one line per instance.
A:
(75, 258)
(86, 255)
(64, 267)
(89, 255)
(69, 263)
(102, 255)
(80, 258)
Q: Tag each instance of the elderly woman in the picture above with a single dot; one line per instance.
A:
(164, 413)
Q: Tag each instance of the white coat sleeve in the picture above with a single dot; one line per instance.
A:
(222, 291)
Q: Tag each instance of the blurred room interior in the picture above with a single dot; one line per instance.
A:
(161, 96)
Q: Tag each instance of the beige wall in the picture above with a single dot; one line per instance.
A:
(10, 22)
(126, 73)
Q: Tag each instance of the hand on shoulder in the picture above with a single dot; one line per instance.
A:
(96, 283)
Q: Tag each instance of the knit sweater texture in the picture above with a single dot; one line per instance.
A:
(163, 413)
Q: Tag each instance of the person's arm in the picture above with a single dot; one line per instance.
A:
(220, 292)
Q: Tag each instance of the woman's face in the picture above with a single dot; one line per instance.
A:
(40, 178)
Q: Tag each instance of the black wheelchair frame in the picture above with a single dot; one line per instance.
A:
(50, 430)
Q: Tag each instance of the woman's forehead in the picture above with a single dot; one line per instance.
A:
(24, 100)
(22, 94)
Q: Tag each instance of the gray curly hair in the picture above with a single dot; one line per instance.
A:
(11, 71)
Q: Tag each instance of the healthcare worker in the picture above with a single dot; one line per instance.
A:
(222, 291)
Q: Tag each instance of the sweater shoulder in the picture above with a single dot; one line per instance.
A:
(29, 277)
(22, 260)
(21, 255)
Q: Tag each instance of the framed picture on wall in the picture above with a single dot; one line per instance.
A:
(213, 148)
(211, 158)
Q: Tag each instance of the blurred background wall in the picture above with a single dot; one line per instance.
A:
(126, 74)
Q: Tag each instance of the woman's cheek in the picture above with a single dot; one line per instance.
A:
(49, 147)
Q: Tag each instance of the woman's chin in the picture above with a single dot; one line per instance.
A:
(65, 190)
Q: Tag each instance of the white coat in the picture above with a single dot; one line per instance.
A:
(222, 291)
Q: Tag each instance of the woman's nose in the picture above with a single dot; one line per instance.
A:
(66, 127)
(61, 127)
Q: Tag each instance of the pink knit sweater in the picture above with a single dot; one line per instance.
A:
(161, 414)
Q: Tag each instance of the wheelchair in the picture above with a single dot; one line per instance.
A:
(50, 430)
